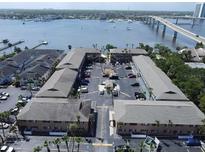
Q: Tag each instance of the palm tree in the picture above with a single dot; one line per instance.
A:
(141, 145)
(3, 118)
(73, 129)
(14, 129)
(57, 142)
(37, 149)
(150, 92)
(2, 139)
(157, 123)
(78, 140)
(202, 127)
(132, 45)
(152, 147)
(46, 145)
(30, 87)
(65, 138)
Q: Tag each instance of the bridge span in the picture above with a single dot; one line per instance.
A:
(158, 20)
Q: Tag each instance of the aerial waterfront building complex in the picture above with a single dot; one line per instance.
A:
(165, 112)
(199, 10)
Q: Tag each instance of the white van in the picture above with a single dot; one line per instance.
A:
(10, 149)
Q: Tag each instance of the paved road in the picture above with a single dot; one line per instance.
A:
(180, 30)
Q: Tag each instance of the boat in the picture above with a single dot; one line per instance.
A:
(44, 42)
(129, 21)
(111, 21)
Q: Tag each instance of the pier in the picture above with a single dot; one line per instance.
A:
(14, 44)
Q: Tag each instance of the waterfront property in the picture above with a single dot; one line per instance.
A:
(29, 65)
(125, 54)
(55, 108)
(167, 111)
(159, 86)
(157, 118)
(197, 55)
(56, 116)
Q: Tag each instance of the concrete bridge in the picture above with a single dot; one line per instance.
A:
(158, 20)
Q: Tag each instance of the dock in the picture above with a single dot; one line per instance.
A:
(14, 44)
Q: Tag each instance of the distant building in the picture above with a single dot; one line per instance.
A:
(199, 10)
(29, 64)
(196, 54)
(125, 54)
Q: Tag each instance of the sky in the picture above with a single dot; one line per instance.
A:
(157, 6)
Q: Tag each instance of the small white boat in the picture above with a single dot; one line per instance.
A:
(111, 21)
(44, 42)
(129, 21)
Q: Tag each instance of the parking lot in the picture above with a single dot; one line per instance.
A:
(126, 90)
(10, 103)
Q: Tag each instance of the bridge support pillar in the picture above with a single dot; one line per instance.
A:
(164, 30)
(193, 22)
(157, 26)
(177, 20)
(175, 35)
(147, 19)
(153, 23)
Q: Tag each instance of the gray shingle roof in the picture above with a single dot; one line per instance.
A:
(133, 111)
(51, 110)
(129, 50)
(59, 84)
(162, 86)
(74, 58)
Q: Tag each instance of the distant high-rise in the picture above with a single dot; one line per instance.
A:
(199, 10)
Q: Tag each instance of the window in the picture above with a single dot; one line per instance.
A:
(190, 125)
(133, 124)
(165, 131)
(46, 121)
(56, 121)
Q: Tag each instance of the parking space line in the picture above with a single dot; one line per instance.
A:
(125, 94)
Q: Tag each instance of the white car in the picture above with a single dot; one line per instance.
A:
(5, 125)
(22, 101)
(83, 89)
(4, 148)
(15, 110)
(3, 97)
(10, 149)
(5, 94)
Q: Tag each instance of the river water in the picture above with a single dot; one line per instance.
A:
(84, 33)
